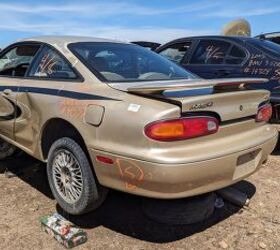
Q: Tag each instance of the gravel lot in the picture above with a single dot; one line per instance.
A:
(120, 223)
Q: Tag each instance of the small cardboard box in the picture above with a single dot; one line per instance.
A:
(63, 230)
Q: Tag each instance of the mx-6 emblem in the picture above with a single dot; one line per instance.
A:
(201, 105)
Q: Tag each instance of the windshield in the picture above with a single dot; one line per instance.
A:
(268, 46)
(117, 62)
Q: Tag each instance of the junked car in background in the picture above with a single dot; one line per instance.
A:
(106, 114)
(229, 57)
(273, 37)
(148, 45)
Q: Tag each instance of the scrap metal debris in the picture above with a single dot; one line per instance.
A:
(63, 230)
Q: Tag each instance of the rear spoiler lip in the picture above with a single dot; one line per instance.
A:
(158, 87)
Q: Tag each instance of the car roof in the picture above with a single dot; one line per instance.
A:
(62, 40)
(269, 35)
(229, 38)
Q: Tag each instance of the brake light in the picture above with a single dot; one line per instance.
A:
(264, 113)
(183, 128)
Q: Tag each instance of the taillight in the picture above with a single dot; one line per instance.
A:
(264, 113)
(183, 128)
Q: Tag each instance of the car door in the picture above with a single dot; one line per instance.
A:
(14, 62)
(216, 59)
(40, 95)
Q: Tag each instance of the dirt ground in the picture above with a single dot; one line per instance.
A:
(121, 224)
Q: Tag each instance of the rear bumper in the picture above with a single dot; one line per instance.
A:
(170, 181)
(277, 127)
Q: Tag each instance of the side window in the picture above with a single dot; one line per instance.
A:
(16, 61)
(50, 65)
(235, 56)
(210, 52)
(176, 52)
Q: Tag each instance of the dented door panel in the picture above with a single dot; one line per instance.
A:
(36, 99)
(8, 106)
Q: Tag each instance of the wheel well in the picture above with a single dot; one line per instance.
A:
(57, 128)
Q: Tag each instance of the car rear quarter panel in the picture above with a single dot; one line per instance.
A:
(261, 64)
(64, 100)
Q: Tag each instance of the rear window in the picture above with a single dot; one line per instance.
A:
(117, 62)
(267, 46)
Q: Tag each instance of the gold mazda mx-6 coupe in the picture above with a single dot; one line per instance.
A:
(107, 114)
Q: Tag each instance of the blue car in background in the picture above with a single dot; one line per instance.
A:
(230, 57)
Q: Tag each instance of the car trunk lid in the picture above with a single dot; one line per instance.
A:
(226, 97)
(229, 106)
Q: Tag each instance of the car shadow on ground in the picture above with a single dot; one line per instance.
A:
(29, 170)
(121, 212)
(276, 150)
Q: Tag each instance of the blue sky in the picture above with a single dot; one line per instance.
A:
(154, 20)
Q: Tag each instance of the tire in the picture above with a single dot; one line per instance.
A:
(6, 149)
(180, 211)
(68, 166)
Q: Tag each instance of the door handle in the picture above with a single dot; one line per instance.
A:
(7, 91)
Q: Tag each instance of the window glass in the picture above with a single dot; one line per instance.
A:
(117, 62)
(176, 52)
(275, 40)
(210, 52)
(235, 56)
(17, 60)
(49, 64)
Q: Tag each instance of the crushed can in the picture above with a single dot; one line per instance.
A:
(63, 230)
